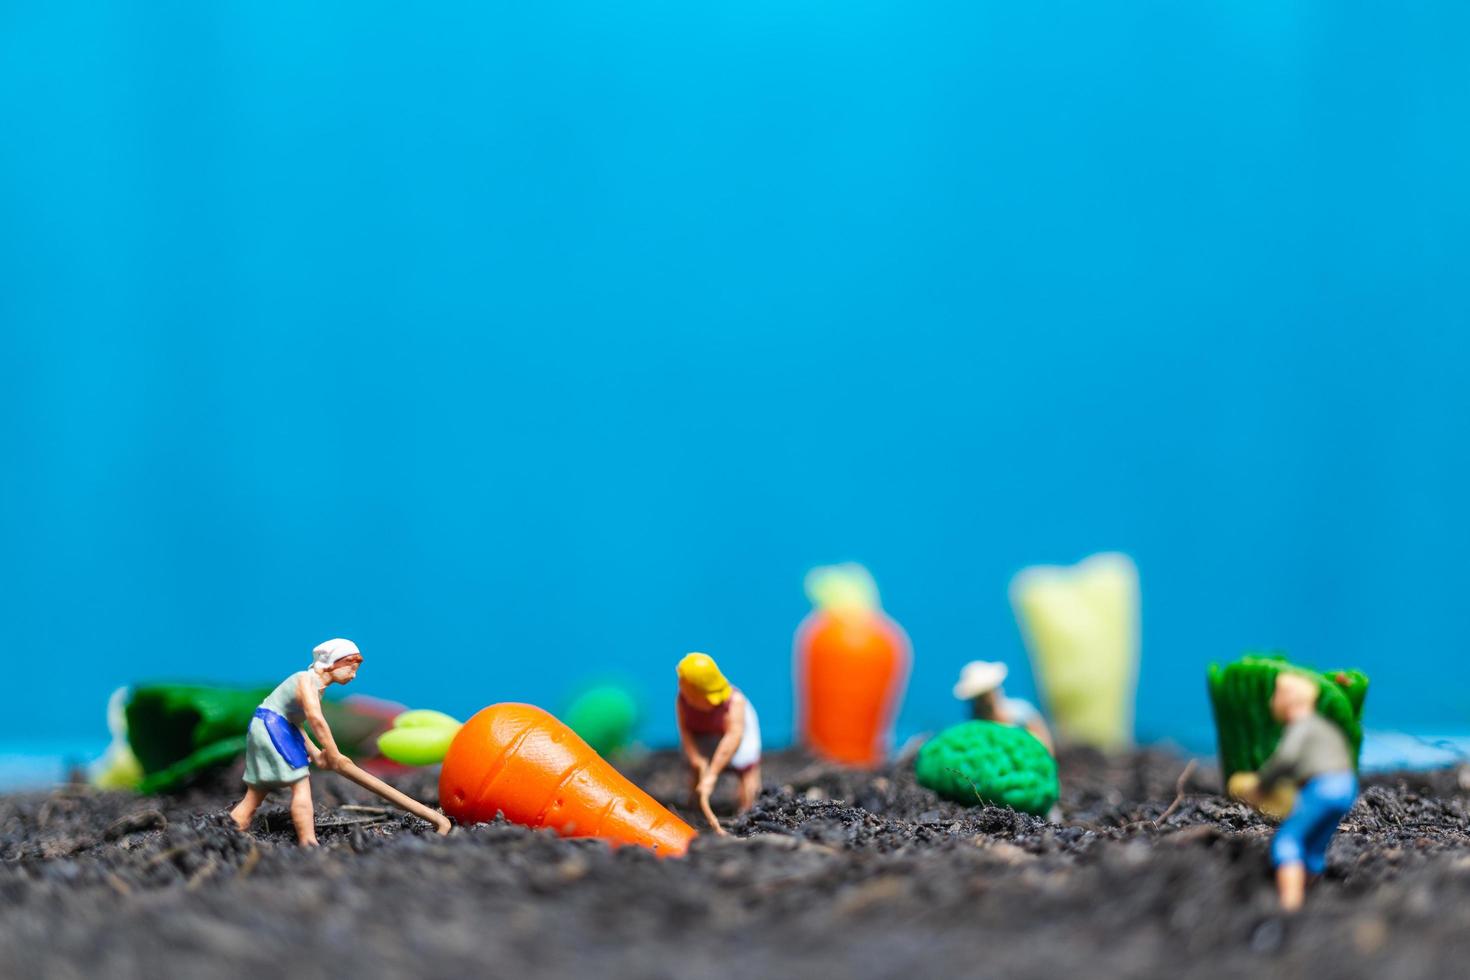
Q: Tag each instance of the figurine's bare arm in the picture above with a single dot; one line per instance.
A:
(312, 752)
(730, 741)
(696, 759)
(311, 706)
(1038, 728)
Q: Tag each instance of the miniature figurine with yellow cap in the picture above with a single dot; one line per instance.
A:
(718, 729)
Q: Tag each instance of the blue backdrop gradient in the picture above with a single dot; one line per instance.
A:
(522, 341)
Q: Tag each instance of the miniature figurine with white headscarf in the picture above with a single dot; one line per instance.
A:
(277, 751)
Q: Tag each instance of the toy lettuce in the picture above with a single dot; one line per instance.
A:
(988, 762)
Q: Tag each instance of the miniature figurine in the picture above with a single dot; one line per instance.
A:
(277, 751)
(851, 667)
(520, 761)
(980, 684)
(718, 727)
(1315, 757)
(1081, 628)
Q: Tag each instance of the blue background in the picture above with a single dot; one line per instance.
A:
(522, 341)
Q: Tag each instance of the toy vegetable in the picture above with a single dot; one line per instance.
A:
(119, 767)
(851, 667)
(175, 731)
(518, 760)
(989, 762)
(1081, 628)
(605, 716)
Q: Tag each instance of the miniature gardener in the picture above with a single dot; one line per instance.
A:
(1314, 756)
(979, 684)
(276, 748)
(718, 728)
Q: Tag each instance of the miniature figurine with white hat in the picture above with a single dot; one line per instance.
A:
(980, 684)
(278, 755)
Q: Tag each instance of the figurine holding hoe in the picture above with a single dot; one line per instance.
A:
(278, 755)
(718, 728)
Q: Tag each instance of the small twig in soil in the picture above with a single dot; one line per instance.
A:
(783, 882)
(251, 860)
(364, 822)
(134, 822)
(807, 773)
(1190, 835)
(197, 878)
(910, 749)
(1178, 792)
(167, 855)
(358, 808)
(67, 846)
(74, 790)
(973, 788)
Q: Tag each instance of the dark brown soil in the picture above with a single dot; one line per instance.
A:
(832, 874)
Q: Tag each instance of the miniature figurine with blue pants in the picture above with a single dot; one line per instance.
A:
(1303, 837)
(1313, 759)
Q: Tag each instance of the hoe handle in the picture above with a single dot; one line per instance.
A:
(373, 784)
(709, 814)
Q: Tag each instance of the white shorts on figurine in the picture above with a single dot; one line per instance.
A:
(748, 752)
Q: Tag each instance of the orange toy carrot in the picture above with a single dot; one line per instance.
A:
(521, 761)
(852, 665)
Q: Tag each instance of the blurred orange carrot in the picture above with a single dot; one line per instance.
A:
(852, 665)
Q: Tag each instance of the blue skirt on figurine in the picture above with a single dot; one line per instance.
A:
(1321, 804)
